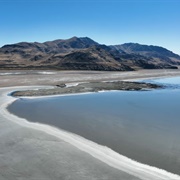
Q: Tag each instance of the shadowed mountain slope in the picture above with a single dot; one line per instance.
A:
(157, 53)
(85, 54)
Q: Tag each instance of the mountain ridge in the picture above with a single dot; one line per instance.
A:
(83, 53)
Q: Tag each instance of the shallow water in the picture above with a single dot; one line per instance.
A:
(144, 126)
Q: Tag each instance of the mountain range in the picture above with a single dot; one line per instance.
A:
(85, 54)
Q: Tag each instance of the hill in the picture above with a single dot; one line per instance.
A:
(85, 54)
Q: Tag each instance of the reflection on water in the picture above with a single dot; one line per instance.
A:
(144, 126)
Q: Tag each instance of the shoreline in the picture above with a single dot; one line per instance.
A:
(99, 152)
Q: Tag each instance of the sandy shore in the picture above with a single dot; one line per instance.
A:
(37, 151)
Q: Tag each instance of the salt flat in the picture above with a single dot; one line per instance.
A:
(35, 77)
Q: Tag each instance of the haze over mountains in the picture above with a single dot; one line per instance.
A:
(85, 54)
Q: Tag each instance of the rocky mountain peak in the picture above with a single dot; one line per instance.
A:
(85, 54)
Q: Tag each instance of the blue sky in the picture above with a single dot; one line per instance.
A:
(155, 22)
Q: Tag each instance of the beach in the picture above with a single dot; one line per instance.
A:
(29, 149)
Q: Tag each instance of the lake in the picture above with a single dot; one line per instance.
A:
(142, 125)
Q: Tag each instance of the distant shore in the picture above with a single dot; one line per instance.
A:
(52, 78)
(85, 81)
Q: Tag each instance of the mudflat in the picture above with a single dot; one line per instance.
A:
(89, 87)
(35, 77)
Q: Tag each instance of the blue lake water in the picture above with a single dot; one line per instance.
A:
(142, 125)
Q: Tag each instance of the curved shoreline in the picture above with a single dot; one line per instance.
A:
(102, 153)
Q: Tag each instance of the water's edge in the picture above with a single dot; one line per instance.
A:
(102, 153)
